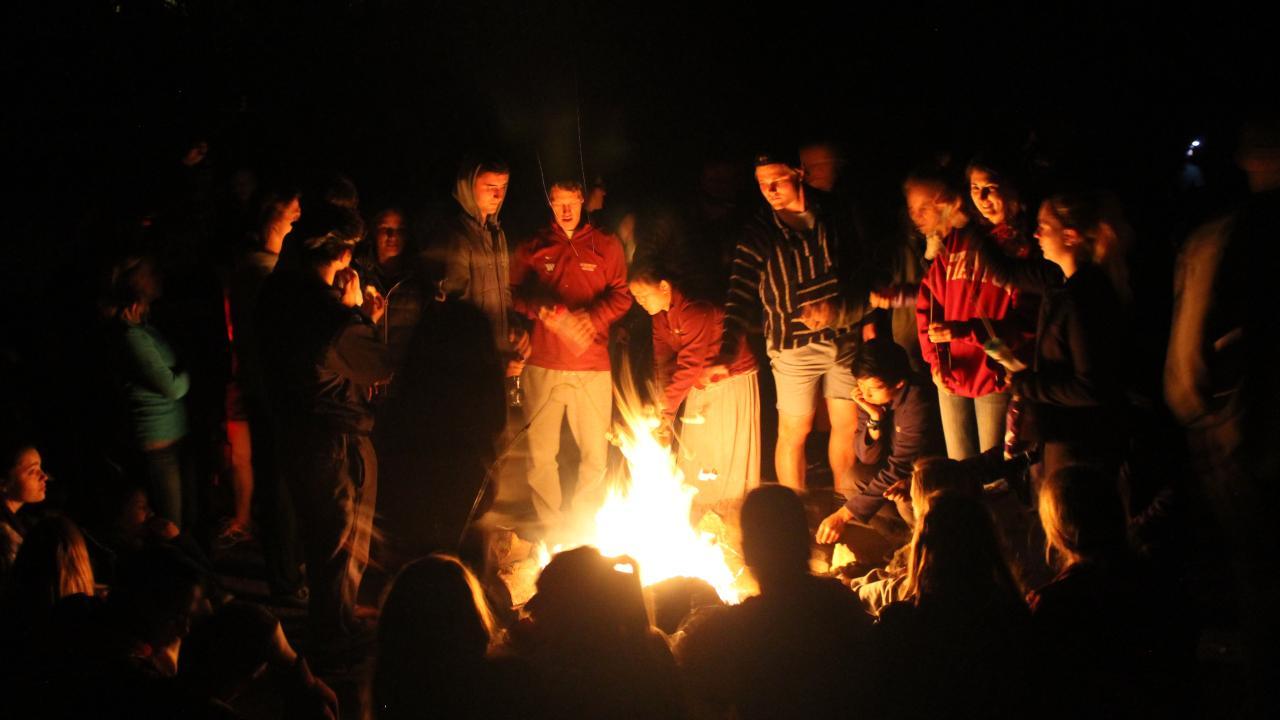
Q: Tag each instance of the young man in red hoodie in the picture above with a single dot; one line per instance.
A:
(570, 279)
(720, 427)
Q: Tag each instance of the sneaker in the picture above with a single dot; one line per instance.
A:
(231, 535)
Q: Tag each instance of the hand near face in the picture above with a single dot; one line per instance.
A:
(347, 281)
(872, 411)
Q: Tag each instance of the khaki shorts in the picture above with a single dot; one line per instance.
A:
(797, 372)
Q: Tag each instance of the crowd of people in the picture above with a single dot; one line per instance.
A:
(333, 385)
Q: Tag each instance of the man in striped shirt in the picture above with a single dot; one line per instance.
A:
(800, 261)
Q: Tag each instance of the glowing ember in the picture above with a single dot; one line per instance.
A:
(647, 512)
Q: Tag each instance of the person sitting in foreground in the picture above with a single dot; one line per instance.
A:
(932, 476)
(51, 580)
(23, 483)
(234, 646)
(778, 654)
(436, 636)
(590, 642)
(1106, 630)
(957, 646)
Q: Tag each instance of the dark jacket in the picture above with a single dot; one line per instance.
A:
(773, 655)
(909, 430)
(12, 531)
(1077, 381)
(1110, 633)
(320, 357)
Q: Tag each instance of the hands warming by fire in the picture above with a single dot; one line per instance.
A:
(367, 298)
(572, 326)
(833, 527)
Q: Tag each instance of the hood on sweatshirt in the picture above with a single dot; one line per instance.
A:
(464, 190)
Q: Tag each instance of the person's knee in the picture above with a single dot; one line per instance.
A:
(793, 429)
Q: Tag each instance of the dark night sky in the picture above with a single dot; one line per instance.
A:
(393, 91)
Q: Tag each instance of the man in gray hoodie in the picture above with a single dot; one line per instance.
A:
(475, 255)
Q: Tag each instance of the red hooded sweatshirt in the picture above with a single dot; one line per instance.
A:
(958, 287)
(587, 273)
(686, 341)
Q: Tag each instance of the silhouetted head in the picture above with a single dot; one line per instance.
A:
(326, 235)
(1082, 516)
(52, 564)
(133, 283)
(1258, 151)
(956, 557)
(935, 475)
(824, 163)
(435, 630)
(228, 649)
(435, 606)
(775, 533)
(156, 595)
(583, 598)
(340, 191)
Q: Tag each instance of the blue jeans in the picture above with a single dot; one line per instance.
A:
(972, 425)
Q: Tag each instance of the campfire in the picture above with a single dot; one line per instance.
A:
(648, 516)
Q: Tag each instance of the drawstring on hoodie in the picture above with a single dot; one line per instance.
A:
(546, 193)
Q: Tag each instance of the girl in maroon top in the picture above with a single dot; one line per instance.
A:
(720, 426)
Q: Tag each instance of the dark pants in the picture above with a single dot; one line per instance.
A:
(883, 533)
(169, 483)
(333, 477)
(277, 520)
